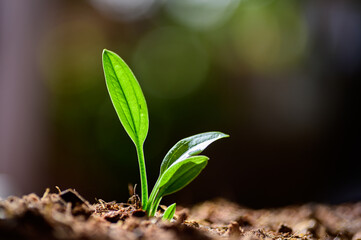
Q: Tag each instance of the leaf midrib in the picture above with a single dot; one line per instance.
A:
(120, 86)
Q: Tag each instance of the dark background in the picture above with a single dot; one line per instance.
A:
(282, 77)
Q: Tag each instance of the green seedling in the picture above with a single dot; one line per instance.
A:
(169, 212)
(181, 164)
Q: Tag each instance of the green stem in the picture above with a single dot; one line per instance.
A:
(143, 176)
(157, 197)
(152, 196)
(155, 206)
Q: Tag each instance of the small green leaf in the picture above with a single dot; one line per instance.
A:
(184, 149)
(189, 146)
(176, 177)
(180, 174)
(169, 212)
(127, 97)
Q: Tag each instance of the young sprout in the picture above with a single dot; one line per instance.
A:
(169, 212)
(181, 164)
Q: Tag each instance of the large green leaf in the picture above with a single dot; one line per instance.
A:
(127, 97)
(169, 212)
(189, 146)
(180, 174)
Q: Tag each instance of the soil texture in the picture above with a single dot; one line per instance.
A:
(68, 216)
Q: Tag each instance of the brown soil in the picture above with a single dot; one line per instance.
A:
(66, 215)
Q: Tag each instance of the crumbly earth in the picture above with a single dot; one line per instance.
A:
(66, 215)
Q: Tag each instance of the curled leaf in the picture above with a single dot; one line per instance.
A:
(189, 146)
(180, 174)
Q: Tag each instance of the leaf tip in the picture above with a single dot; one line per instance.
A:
(223, 135)
(105, 52)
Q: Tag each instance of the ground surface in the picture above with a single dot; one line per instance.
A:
(67, 215)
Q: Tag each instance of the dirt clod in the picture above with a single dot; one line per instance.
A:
(139, 213)
(284, 229)
(233, 229)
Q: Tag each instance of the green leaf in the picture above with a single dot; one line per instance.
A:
(169, 213)
(180, 174)
(189, 146)
(176, 177)
(127, 97)
(130, 105)
(184, 149)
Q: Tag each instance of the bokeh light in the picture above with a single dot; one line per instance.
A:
(125, 10)
(270, 38)
(171, 62)
(201, 14)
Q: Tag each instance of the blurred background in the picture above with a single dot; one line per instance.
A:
(282, 77)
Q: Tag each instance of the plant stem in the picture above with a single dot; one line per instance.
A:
(143, 176)
(152, 196)
(154, 208)
(154, 201)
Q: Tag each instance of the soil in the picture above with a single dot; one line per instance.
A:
(66, 215)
